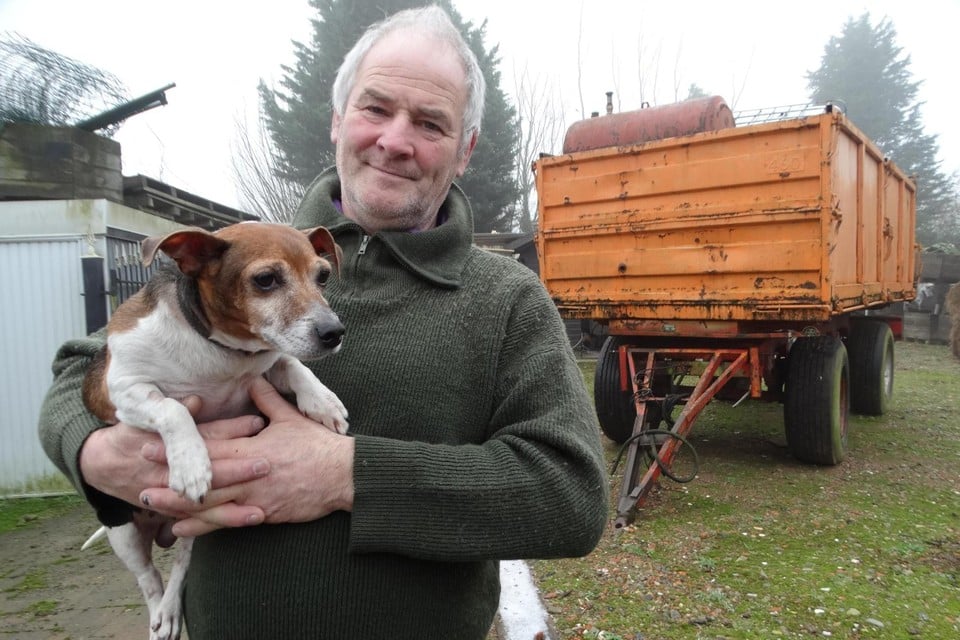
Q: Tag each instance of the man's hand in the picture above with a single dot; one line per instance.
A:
(310, 473)
(122, 461)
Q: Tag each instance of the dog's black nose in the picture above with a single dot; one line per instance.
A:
(330, 334)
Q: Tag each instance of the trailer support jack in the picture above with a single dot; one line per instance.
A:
(719, 367)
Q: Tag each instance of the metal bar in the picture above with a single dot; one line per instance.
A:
(127, 109)
(630, 472)
(633, 494)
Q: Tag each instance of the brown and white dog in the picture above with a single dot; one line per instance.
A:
(242, 302)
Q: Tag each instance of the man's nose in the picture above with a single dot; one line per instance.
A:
(396, 138)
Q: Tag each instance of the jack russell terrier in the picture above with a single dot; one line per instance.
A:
(242, 302)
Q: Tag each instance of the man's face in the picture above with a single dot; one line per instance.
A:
(398, 141)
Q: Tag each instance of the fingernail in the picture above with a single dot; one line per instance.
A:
(254, 519)
(259, 423)
(145, 499)
(261, 468)
(149, 450)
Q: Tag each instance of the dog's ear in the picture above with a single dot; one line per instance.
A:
(190, 248)
(323, 244)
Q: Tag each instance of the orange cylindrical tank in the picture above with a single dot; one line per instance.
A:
(652, 123)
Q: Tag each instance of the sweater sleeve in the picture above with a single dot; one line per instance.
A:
(537, 488)
(65, 423)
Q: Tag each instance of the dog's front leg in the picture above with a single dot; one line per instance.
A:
(143, 405)
(314, 399)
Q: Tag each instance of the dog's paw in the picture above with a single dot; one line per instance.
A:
(325, 407)
(190, 470)
(165, 624)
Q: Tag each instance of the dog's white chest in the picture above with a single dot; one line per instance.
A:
(182, 363)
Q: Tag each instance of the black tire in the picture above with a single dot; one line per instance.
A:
(615, 409)
(870, 346)
(816, 405)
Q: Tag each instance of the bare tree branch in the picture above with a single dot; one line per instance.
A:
(583, 112)
(260, 188)
(541, 123)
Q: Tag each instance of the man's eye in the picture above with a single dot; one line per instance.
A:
(266, 281)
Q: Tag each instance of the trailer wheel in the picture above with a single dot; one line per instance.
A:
(816, 404)
(615, 409)
(870, 345)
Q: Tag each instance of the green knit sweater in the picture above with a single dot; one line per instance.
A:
(475, 441)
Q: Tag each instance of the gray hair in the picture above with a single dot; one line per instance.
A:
(430, 21)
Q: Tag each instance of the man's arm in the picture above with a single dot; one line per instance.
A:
(65, 423)
(106, 464)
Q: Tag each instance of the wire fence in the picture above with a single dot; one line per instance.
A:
(44, 87)
(787, 112)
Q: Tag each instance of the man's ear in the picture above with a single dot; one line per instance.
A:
(335, 127)
(465, 158)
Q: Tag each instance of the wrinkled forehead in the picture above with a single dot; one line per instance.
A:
(415, 60)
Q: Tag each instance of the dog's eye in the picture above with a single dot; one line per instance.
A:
(267, 281)
(322, 277)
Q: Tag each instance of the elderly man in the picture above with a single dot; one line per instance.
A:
(472, 437)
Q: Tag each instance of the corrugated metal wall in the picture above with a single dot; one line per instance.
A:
(41, 306)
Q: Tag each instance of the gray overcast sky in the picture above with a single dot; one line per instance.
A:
(754, 53)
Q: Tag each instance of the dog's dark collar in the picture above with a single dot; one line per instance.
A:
(188, 298)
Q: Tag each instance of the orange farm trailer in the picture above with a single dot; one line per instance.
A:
(732, 262)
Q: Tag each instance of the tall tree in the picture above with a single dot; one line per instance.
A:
(298, 113)
(864, 69)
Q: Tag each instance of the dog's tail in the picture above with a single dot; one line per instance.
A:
(99, 534)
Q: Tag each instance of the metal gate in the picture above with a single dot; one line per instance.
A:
(125, 266)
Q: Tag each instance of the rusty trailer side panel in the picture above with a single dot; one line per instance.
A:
(797, 220)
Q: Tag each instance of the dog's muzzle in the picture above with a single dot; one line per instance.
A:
(330, 334)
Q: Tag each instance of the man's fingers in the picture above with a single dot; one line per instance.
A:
(229, 477)
(225, 515)
(193, 404)
(270, 402)
(233, 428)
(231, 472)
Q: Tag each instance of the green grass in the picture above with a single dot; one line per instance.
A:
(52, 483)
(761, 546)
(20, 512)
(42, 608)
(32, 581)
